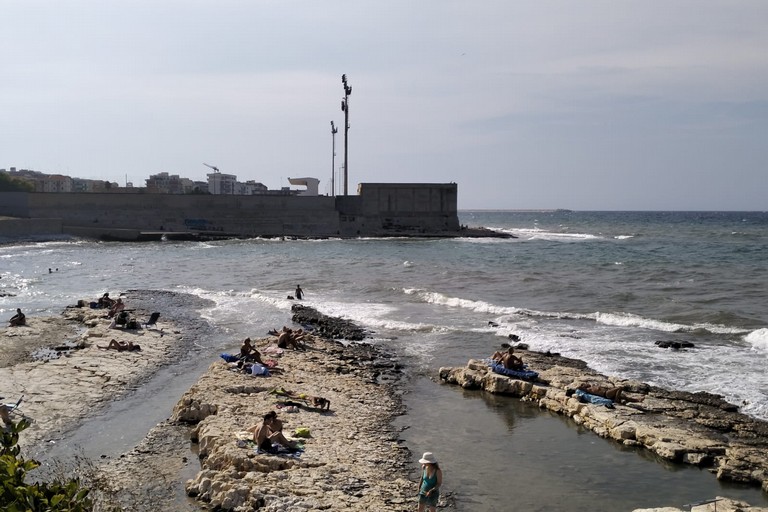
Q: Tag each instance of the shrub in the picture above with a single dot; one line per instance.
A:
(17, 495)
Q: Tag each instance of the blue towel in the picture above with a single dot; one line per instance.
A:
(518, 374)
(593, 399)
(230, 358)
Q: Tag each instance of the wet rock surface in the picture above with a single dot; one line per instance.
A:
(325, 326)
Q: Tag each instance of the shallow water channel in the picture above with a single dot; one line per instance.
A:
(492, 450)
(498, 453)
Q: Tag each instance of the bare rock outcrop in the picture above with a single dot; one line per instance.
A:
(351, 461)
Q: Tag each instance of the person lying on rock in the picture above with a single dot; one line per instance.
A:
(611, 393)
(121, 346)
(257, 368)
(268, 432)
(18, 319)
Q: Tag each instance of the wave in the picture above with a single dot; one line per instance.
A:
(758, 339)
(444, 300)
(612, 319)
(553, 236)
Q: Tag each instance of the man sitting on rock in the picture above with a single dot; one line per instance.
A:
(287, 339)
(249, 354)
(269, 431)
(18, 319)
(508, 359)
(116, 308)
(105, 301)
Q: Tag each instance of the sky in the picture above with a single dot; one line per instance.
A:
(536, 104)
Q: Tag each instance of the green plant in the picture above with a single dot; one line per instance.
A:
(17, 495)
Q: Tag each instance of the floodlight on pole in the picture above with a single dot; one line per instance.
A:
(345, 109)
(334, 131)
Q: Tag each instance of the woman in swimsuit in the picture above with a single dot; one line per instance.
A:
(431, 481)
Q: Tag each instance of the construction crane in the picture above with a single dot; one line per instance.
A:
(215, 169)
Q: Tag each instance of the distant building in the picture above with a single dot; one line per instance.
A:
(53, 183)
(164, 183)
(251, 188)
(311, 184)
(222, 184)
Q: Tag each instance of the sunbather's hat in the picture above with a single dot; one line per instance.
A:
(428, 458)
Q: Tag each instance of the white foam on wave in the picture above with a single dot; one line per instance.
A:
(280, 302)
(474, 305)
(630, 320)
(553, 236)
(758, 339)
(373, 316)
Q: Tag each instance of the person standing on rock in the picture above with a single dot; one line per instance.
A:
(431, 481)
(299, 292)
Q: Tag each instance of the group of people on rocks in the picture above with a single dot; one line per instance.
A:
(250, 361)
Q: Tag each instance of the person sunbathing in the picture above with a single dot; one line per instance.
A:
(269, 431)
(611, 393)
(508, 359)
(257, 368)
(121, 346)
(18, 319)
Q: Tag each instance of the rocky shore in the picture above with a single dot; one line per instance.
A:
(688, 428)
(56, 365)
(353, 459)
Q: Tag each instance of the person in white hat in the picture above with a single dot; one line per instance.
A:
(431, 480)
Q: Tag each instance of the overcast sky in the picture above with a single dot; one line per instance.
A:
(587, 105)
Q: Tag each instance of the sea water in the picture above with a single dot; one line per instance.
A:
(598, 286)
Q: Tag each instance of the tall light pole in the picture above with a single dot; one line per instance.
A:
(334, 131)
(345, 109)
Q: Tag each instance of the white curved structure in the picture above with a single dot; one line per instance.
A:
(310, 183)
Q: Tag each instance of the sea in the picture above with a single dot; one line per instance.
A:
(602, 287)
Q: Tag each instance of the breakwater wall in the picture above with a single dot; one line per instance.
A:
(409, 209)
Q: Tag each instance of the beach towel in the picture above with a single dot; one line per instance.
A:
(273, 350)
(230, 358)
(593, 399)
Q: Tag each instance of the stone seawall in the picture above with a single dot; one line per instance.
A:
(409, 209)
(690, 428)
(14, 227)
